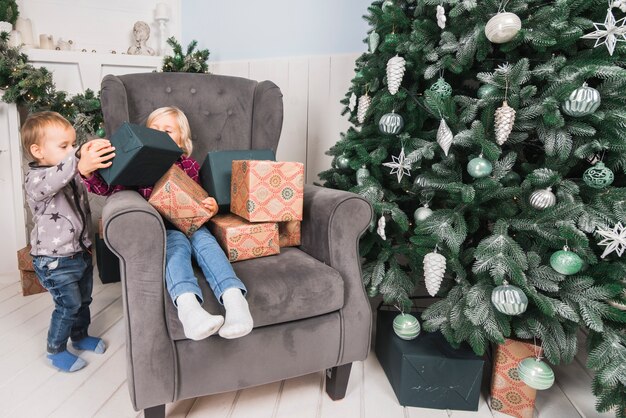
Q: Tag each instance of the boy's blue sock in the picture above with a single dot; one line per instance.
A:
(66, 361)
(94, 344)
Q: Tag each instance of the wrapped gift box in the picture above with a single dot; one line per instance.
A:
(289, 233)
(178, 198)
(509, 394)
(142, 156)
(107, 262)
(267, 191)
(215, 173)
(242, 240)
(28, 278)
(427, 372)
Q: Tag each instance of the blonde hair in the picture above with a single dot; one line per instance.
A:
(34, 129)
(183, 125)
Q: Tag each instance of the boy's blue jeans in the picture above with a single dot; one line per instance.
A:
(70, 282)
(217, 270)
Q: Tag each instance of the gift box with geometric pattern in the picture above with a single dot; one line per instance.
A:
(28, 278)
(509, 395)
(179, 199)
(267, 191)
(242, 240)
(289, 233)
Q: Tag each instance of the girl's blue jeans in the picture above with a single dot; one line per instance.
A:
(70, 282)
(204, 248)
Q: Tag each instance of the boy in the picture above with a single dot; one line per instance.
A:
(60, 236)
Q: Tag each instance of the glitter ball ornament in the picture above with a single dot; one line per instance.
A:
(479, 167)
(503, 27)
(374, 40)
(444, 137)
(422, 213)
(582, 102)
(566, 262)
(535, 373)
(362, 174)
(364, 104)
(434, 269)
(441, 88)
(391, 123)
(391, 40)
(505, 117)
(343, 162)
(406, 326)
(486, 90)
(542, 198)
(395, 72)
(509, 299)
(599, 176)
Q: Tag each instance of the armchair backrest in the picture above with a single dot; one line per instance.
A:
(225, 113)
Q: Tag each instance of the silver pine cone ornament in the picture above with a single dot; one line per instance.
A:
(505, 118)
(444, 136)
(395, 72)
(434, 269)
(364, 104)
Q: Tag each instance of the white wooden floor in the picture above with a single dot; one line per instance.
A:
(30, 388)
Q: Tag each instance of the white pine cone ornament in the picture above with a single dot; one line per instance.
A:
(505, 118)
(395, 72)
(364, 104)
(434, 269)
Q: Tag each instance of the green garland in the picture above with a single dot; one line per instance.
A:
(32, 88)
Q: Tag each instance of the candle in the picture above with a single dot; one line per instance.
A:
(26, 30)
(162, 12)
(15, 40)
(46, 42)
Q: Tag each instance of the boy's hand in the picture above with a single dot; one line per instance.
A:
(92, 156)
(210, 204)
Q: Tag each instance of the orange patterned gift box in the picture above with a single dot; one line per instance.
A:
(28, 277)
(289, 233)
(242, 240)
(509, 394)
(178, 198)
(267, 191)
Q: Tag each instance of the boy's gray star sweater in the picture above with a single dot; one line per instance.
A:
(58, 201)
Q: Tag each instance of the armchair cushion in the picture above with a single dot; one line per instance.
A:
(293, 286)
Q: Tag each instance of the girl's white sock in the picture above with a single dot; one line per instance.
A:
(238, 319)
(197, 323)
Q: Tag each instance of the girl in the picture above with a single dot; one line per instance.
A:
(180, 280)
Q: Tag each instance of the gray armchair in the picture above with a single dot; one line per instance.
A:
(308, 303)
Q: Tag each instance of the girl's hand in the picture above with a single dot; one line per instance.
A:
(210, 204)
(94, 155)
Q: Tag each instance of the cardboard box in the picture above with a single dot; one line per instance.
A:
(267, 191)
(178, 198)
(427, 372)
(215, 174)
(509, 394)
(289, 233)
(28, 278)
(242, 240)
(142, 156)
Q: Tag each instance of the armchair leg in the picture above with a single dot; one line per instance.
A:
(155, 412)
(337, 381)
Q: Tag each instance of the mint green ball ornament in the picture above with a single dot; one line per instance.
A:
(566, 262)
(101, 132)
(599, 176)
(441, 89)
(479, 167)
(406, 326)
(343, 162)
(509, 299)
(535, 373)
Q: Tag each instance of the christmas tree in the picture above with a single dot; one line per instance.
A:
(490, 138)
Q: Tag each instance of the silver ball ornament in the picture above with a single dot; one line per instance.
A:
(542, 198)
(503, 27)
(343, 162)
(510, 300)
(582, 102)
(422, 213)
(391, 123)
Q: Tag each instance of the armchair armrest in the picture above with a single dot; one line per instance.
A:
(134, 231)
(333, 223)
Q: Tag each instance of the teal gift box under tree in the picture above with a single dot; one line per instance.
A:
(216, 172)
(427, 372)
(142, 156)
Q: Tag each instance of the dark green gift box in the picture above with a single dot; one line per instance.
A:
(142, 156)
(427, 372)
(217, 169)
